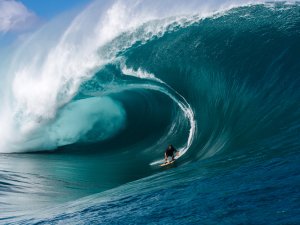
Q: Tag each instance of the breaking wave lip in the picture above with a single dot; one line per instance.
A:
(42, 83)
(46, 82)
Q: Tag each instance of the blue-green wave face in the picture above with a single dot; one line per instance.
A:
(109, 94)
(233, 76)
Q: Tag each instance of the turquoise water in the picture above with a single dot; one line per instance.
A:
(92, 117)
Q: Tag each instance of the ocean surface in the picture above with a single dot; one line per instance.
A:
(89, 103)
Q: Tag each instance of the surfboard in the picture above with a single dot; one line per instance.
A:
(167, 163)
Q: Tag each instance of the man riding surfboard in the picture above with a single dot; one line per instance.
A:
(170, 152)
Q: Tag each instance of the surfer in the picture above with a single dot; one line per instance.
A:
(170, 152)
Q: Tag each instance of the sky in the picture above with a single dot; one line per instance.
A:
(21, 15)
(50, 8)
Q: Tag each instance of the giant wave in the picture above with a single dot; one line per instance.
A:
(220, 82)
